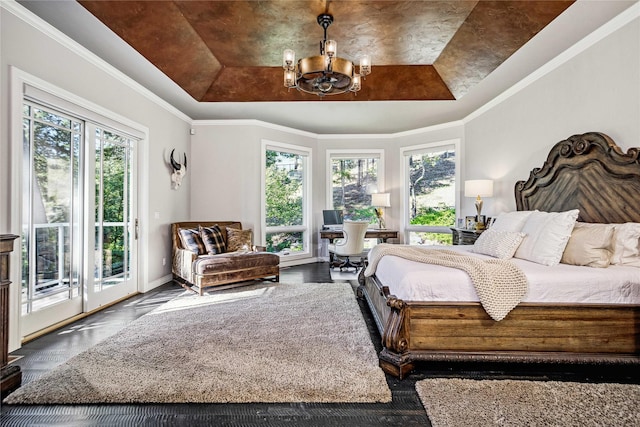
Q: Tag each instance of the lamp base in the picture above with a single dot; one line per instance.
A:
(478, 204)
(481, 222)
(380, 216)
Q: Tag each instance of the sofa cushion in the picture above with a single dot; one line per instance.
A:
(213, 239)
(234, 261)
(192, 241)
(236, 239)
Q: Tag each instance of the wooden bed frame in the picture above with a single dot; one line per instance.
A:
(589, 172)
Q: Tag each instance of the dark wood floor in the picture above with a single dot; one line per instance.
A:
(45, 353)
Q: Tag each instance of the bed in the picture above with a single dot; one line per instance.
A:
(588, 172)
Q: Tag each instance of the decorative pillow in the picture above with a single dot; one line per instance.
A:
(213, 240)
(236, 239)
(547, 236)
(191, 240)
(498, 244)
(511, 221)
(626, 248)
(589, 245)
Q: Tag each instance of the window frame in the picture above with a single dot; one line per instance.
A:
(405, 222)
(351, 154)
(305, 227)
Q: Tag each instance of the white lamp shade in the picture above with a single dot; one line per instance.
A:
(381, 200)
(478, 187)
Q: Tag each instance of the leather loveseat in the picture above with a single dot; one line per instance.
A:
(194, 265)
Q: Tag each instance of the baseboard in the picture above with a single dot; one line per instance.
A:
(70, 320)
(158, 282)
(298, 261)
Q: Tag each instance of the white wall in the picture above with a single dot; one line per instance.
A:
(598, 90)
(55, 59)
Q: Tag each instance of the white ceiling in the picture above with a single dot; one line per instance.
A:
(334, 117)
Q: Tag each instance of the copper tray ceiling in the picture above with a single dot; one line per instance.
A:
(231, 51)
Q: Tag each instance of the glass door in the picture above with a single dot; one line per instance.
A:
(78, 243)
(51, 217)
(111, 234)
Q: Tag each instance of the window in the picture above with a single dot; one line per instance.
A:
(354, 176)
(286, 198)
(431, 196)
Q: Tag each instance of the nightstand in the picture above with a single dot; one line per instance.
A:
(463, 236)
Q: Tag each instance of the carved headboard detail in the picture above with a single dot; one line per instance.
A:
(588, 172)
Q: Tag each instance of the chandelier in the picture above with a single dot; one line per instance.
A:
(325, 74)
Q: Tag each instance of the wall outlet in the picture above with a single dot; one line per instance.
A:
(164, 261)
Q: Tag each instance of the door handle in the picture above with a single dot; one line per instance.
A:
(136, 228)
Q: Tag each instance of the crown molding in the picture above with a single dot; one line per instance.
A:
(254, 122)
(267, 125)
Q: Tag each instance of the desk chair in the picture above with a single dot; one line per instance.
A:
(351, 245)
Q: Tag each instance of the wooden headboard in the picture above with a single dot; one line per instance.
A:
(587, 172)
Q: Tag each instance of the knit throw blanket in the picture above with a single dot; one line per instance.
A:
(500, 284)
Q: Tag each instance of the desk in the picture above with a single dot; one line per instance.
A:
(373, 233)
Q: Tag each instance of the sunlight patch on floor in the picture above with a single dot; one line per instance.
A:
(188, 300)
(344, 275)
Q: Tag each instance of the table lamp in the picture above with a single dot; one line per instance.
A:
(379, 201)
(478, 188)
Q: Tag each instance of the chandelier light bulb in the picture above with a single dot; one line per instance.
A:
(288, 59)
(289, 78)
(365, 65)
(355, 83)
(331, 48)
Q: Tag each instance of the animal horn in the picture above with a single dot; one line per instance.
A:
(175, 165)
(185, 160)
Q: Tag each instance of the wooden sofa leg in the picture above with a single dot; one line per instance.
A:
(200, 290)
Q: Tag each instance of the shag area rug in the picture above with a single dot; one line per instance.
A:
(463, 402)
(262, 343)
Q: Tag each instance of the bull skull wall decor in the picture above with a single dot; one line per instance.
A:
(179, 170)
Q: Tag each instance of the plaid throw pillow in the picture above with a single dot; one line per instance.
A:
(213, 240)
(191, 240)
(236, 239)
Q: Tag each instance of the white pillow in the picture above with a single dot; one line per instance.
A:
(547, 236)
(511, 221)
(498, 244)
(626, 247)
(590, 245)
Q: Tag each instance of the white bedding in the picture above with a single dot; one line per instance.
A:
(415, 281)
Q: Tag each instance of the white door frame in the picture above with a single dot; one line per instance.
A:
(20, 82)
